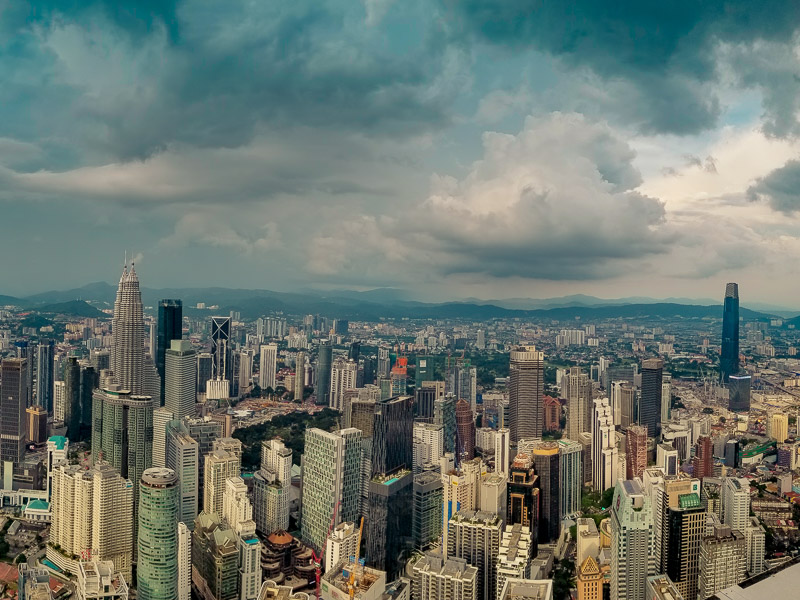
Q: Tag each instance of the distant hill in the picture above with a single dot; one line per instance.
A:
(375, 304)
(11, 301)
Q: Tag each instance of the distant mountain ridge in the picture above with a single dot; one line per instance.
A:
(374, 304)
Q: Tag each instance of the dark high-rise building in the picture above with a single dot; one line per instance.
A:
(220, 348)
(341, 326)
(25, 350)
(444, 414)
(427, 510)
(635, 451)
(739, 393)
(546, 460)
(355, 351)
(13, 399)
(729, 354)
(323, 384)
(424, 402)
(88, 385)
(523, 495)
(170, 327)
(465, 431)
(703, 461)
(369, 369)
(686, 526)
(388, 531)
(45, 376)
(72, 400)
(732, 454)
(205, 370)
(424, 371)
(393, 435)
(525, 391)
(650, 397)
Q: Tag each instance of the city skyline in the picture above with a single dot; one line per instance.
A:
(463, 153)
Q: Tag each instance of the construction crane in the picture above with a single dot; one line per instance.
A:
(351, 587)
(318, 559)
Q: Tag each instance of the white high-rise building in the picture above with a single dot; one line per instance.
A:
(632, 541)
(571, 476)
(219, 467)
(97, 580)
(59, 401)
(180, 379)
(460, 490)
(92, 515)
(236, 507)
(514, 558)
(604, 448)
(756, 540)
(666, 397)
(341, 545)
(331, 477)
(502, 452)
(245, 371)
(475, 537)
(428, 445)
(161, 416)
(299, 375)
(267, 366)
(736, 503)
(437, 578)
(183, 457)
(344, 374)
(271, 487)
(127, 327)
(184, 562)
(576, 387)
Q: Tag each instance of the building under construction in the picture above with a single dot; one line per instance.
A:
(352, 580)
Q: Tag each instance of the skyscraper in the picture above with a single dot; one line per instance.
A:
(729, 353)
(604, 449)
(299, 375)
(475, 537)
(331, 479)
(650, 400)
(388, 532)
(183, 457)
(184, 561)
(127, 327)
(45, 377)
(465, 431)
(180, 374)
(392, 435)
(435, 577)
(570, 477)
(635, 451)
(267, 366)
(444, 414)
(632, 541)
(576, 387)
(271, 487)
(723, 560)
(219, 466)
(427, 508)
(739, 393)
(157, 566)
(205, 370)
(170, 327)
(13, 424)
(220, 350)
(546, 462)
(526, 388)
(736, 503)
(72, 405)
(686, 524)
(523, 495)
(703, 462)
(323, 386)
(344, 373)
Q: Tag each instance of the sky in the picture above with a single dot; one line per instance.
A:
(450, 149)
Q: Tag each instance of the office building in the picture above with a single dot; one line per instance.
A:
(635, 451)
(475, 537)
(526, 589)
(59, 402)
(576, 387)
(756, 541)
(589, 580)
(465, 431)
(552, 413)
(739, 393)
(632, 541)
(723, 560)
(666, 397)
(650, 397)
(98, 580)
(170, 327)
(523, 494)
(778, 427)
(72, 405)
(13, 424)
(36, 424)
(659, 587)
(323, 377)
(221, 364)
(444, 414)
(267, 366)
(219, 466)
(92, 509)
(161, 417)
(392, 435)
(299, 375)
(585, 440)
(185, 561)
(272, 488)
(604, 448)
(686, 525)
(426, 523)
(502, 451)
(514, 558)
(525, 391)
(331, 478)
(667, 459)
(666, 492)
(157, 563)
(388, 534)
(183, 457)
(588, 540)
(703, 461)
(729, 354)
(547, 464)
(570, 477)
(625, 404)
(424, 401)
(215, 558)
(127, 326)
(344, 374)
(434, 578)
(205, 369)
(45, 374)
(180, 374)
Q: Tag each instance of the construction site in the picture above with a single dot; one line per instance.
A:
(348, 580)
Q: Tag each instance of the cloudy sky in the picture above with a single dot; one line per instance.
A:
(451, 148)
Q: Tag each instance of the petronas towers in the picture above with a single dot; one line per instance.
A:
(127, 357)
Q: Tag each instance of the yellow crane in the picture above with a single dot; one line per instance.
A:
(351, 587)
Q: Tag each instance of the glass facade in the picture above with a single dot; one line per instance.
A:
(158, 535)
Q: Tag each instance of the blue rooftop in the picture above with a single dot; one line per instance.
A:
(59, 440)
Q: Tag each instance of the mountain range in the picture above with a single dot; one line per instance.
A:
(384, 302)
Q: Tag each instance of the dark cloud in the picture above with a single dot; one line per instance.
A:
(780, 188)
(668, 50)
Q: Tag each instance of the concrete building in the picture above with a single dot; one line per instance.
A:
(514, 558)
(184, 561)
(570, 477)
(434, 578)
(635, 451)
(686, 523)
(183, 457)
(604, 449)
(576, 387)
(475, 537)
(660, 587)
(267, 366)
(219, 466)
(272, 487)
(161, 417)
(344, 376)
(525, 390)
(632, 541)
(427, 509)
(180, 376)
(100, 580)
(526, 589)
(502, 451)
(589, 580)
(756, 540)
(342, 544)
(778, 427)
(588, 540)
(736, 503)
(215, 558)
(723, 560)
(428, 445)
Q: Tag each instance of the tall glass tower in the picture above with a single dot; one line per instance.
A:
(127, 327)
(170, 327)
(729, 356)
(323, 386)
(158, 535)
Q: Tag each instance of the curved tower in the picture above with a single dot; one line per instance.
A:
(127, 357)
(158, 535)
(729, 354)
